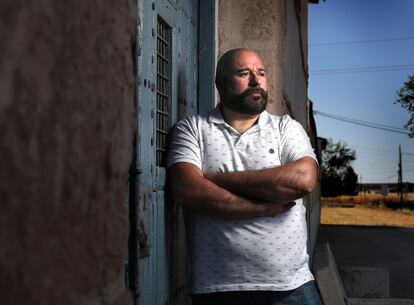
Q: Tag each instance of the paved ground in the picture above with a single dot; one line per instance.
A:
(375, 247)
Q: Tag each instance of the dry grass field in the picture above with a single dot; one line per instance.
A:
(370, 210)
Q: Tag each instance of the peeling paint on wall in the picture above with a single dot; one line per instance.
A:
(258, 25)
(259, 20)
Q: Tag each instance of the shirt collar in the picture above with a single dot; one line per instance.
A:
(264, 119)
(216, 116)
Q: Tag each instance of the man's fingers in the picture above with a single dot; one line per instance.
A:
(281, 208)
(289, 205)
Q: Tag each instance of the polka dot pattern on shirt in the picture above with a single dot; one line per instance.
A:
(267, 253)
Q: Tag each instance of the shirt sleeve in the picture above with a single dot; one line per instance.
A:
(184, 144)
(295, 143)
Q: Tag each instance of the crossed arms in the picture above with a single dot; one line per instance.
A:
(242, 195)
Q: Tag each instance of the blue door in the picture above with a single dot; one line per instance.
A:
(167, 71)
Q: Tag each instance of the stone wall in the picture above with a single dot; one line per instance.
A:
(259, 25)
(296, 60)
(67, 125)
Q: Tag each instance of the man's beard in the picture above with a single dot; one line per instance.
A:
(246, 102)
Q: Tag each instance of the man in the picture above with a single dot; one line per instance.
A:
(240, 173)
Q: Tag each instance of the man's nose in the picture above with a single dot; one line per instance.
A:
(255, 81)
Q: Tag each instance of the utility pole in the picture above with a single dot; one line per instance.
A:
(400, 180)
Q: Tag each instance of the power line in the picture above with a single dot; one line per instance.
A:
(359, 71)
(370, 157)
(374, 162)
(362, 69)
(378, 150)
(361, 123)
(379, 171)
(359, 41)
(375, 153)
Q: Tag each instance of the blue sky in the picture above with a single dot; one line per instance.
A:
(364, 96)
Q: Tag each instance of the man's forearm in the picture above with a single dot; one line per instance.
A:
(278, 184)
(193, 191)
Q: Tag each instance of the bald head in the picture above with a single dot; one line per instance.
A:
(226, 61)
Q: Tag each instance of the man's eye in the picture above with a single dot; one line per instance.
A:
(243, 74)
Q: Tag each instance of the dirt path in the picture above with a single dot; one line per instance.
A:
(362, 215)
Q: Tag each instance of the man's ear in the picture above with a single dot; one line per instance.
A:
(219, 82)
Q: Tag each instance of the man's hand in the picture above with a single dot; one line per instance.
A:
(284, 183)
(279, 208)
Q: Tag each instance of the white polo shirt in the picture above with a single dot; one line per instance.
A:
(266, 253)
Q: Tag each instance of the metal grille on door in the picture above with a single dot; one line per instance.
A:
(163, 89)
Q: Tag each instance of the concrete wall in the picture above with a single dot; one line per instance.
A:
(67, 122)
(278, 31)
(296, 59)
(259, 25)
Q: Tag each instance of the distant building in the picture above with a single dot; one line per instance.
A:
(391, 187)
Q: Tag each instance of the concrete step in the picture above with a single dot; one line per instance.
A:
(359, 281)
(365, 282)
(376, 301)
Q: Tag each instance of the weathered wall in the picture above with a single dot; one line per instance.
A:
(278, 31)
(296, 59)
(314, 203)
(296, 93)
(259, 25)
(66, 121)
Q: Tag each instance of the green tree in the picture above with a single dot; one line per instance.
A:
(337, 175)
(406, 99)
